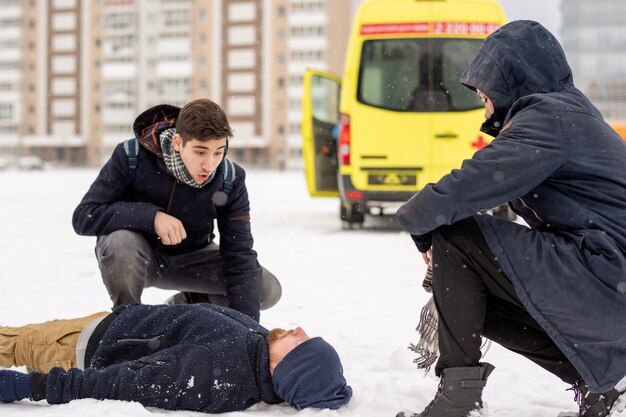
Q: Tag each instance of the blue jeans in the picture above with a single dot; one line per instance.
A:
(129, 264)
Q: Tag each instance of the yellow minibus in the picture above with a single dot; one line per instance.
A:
(397, 118)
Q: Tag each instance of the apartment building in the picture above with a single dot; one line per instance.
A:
(594, 38)
(317, 38)
(12, 48)
(74, 74)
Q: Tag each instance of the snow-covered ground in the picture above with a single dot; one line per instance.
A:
(359, 289)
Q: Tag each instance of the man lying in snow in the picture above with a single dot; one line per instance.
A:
(197, 357)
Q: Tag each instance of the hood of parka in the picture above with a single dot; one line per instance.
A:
(149, 125)
(520, 58)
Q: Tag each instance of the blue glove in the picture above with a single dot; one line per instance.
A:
(14, 386)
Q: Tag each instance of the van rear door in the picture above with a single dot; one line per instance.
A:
(455, 134)
(411, 119)
(389, 145)
(458, 30)
(320, 118)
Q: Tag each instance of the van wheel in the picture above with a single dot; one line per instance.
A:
(351, 216)
(504, 212)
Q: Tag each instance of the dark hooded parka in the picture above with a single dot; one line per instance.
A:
(563, 170)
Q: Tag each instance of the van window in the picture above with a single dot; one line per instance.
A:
(417, 75)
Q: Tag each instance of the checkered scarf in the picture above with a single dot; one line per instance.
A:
(174, 163)
(427, 348)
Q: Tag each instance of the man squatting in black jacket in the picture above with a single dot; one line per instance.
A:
(154, 216)
(198, 357)
(555, 291)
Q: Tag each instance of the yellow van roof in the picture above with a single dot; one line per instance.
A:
(429, 17)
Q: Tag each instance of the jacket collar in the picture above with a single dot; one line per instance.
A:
(264, 378)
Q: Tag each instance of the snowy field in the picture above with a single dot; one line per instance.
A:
(359, 289)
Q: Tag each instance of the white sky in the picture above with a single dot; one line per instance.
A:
(546, 12)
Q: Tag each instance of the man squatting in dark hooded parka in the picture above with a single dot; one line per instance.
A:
(554, 292)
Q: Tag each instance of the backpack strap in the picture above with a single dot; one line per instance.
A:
(229, 175)
(130, 146)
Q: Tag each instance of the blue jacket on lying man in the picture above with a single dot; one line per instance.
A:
(197, 357)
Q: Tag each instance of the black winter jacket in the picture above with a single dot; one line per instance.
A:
(113, 203)
(186, 357)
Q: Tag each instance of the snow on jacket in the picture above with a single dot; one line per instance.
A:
(186, 357)
(114, 203)
(563, 170)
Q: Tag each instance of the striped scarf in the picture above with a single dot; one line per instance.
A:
(427, 348)
(174, 163)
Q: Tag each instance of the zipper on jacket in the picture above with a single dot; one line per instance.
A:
(153, 342)
(169, 202)
(151, 361)
(258, 363)
(533, 211)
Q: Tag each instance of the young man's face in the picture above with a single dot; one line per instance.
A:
(201, 158)
(285, 343)
(488, 104)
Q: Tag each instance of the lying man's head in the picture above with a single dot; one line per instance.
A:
(306, 371)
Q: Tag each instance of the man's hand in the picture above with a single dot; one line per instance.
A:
(427, 256)
(14, 386)
(169, 229)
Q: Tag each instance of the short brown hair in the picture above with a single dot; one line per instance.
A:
(203, 120)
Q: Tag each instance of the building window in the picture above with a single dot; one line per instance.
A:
(295, 80)
(295, 104)
(308, 55)
(294, 128)
(308, 5)
(307, 31)
(242, 12)
(6, 111)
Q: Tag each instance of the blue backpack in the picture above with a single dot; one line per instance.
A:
(132, 149)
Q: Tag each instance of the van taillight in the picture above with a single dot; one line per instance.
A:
(344, 140)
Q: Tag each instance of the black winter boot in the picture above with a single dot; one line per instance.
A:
(460, 391)
(593, 405)
(187, 297)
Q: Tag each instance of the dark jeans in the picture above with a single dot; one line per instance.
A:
(129, 264)
(474, 298)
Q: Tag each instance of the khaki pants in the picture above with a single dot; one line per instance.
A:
(41, 347)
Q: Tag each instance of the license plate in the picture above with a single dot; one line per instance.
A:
(392, 179)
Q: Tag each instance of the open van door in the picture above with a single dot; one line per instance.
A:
(320, 118)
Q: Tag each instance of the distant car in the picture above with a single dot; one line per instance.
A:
(29, 163)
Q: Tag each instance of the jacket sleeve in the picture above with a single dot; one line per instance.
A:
(106, 208)
(241, 268)
(172, 379)
(520, 158)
